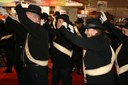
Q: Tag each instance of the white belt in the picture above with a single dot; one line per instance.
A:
(77, 32)
(102, 70)
(63, 49)
(7, 37)
(54, 23)
(121, 69)
(84, 68)
(29, 56)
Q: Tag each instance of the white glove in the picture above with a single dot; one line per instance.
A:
(3, 11)
(65, 24)
(42, 22)
(71, 28)
(24, 4)
(103, 17)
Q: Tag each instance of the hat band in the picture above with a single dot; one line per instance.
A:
(92, 25)
(31, 10)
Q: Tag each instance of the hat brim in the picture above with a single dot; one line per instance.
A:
(44, 16)
(28, 10)
(66, 20)
(78, 22)
(61, 17)
(88, 26)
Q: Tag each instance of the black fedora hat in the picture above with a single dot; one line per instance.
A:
(44, 16)
(94, 23)
(57, 13)
(35, 9)
(65, 17)
(79, 20)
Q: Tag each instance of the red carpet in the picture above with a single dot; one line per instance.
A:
(10, 78)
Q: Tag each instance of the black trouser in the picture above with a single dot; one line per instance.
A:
(18, 64)
(123, 78)
(19, 68)
(63, 74)
(35, 75)
(77, 59)
(9, 54)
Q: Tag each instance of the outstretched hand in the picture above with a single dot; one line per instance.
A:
(3, 11)
(103, 17)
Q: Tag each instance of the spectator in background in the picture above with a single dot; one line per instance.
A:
(57, 13)
(8, 44)
(79, 23)
(125, 21)
(50, 20)
(78, 52)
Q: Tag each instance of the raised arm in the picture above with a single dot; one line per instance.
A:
(11, 23)
(83, 42)
(33, 28)
(112, 29)
(16, 27)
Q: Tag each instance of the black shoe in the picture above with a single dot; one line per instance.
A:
(7, 71)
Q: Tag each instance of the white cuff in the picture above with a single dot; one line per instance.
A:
(71, 28)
